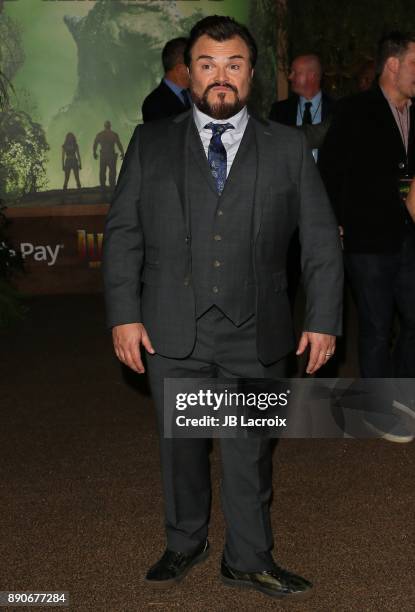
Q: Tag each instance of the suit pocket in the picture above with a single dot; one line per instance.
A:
(279, 280)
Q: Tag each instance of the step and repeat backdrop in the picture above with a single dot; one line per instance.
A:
(80, 70)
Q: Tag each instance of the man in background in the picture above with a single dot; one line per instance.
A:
(310, 109)
(107, 140)
(309, 105)
(171, 96)
(366, 76)
(366, 160)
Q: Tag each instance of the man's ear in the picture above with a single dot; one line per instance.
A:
(252, 73)
(392, 63)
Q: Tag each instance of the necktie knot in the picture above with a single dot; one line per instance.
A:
(218, 128)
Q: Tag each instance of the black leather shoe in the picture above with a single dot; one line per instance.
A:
(173, 566)
(276, 582)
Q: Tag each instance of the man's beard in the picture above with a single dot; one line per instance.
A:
(219, 109)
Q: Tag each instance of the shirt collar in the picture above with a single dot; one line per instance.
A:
(239, 120)
(391, 104)
(314, 101)
(175, 88)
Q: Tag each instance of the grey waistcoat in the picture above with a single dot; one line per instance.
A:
(222, 272)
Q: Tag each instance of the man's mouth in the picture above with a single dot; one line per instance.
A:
(221, 87)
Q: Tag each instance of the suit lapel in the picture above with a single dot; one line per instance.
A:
(178, 141)
(198, 152)
(248, 140)
(173, 101)
(265, 163)
(386, 115)
(293, 110)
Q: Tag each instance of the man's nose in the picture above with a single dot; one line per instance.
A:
(221, 74)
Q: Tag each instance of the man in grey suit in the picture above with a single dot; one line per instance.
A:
(194, 269)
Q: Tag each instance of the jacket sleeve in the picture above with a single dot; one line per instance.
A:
(123, 247)
(321, 255)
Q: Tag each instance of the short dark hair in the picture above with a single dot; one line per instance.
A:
(220, 28)
(393, 44)
(173, 53)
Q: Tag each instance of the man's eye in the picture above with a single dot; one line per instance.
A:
(235, 66)
(206, 66)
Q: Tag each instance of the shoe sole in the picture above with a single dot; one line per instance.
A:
(247, 584)
(165, 584)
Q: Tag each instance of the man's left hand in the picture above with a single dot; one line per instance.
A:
(322, 347)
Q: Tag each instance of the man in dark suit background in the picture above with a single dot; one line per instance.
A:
(310, 109)
(171, 96)
(309, 105)
(194, 270)
(368, 150)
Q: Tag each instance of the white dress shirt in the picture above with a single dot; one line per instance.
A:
(315, 108)
(231, 138)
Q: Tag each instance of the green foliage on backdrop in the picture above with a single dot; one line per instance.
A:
(11, 307)
(344, 33)
(78, 64)
(23, 143)
(23, 150)
(262, 23)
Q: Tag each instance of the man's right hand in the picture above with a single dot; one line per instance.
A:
(127, 340)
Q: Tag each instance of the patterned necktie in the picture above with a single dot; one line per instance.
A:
(217, 153)
(307, 120)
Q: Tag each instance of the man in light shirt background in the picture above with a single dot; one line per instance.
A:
(310, 110)
(308, 105)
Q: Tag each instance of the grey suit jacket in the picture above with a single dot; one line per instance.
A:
(147, 242)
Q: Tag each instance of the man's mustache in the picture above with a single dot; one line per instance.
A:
(219, 84)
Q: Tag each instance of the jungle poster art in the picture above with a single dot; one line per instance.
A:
(78, 72)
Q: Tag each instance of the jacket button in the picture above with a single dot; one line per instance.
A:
(215, 289)
(216, 263)
(401, 165)
(186, 281)
(217, 237)
(187, 239)
(220, 213)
